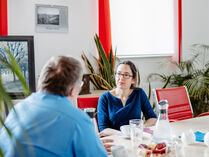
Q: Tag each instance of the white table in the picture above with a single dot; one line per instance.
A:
(199, 149)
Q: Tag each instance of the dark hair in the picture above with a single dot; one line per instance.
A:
(59, 75)
(133, 70)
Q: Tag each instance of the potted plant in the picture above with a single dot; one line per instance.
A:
(5, 98)
(194, 74)
(102, 76)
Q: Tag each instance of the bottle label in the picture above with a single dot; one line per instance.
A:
(163, 111)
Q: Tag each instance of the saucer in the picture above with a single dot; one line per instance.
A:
(146, 135)
(124, 136)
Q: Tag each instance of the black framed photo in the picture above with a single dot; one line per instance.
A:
(22, 48)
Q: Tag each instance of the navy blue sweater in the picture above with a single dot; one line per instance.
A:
(112, 114)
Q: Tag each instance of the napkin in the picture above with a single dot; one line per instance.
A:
(148, 130)
(199, 136)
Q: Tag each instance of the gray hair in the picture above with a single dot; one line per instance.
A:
(59, 75)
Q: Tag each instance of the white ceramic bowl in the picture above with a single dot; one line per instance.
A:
(206, 139)
(188, 137)
(125, 129)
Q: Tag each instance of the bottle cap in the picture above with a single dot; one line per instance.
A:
(163, 106)
(163, 102)
(90, 112)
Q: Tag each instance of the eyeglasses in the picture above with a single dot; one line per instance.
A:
(126, 76)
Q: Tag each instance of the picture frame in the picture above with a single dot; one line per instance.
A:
(51, 18)
(22, 48)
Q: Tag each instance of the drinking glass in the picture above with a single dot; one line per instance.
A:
(136, 131)
(91, 112)
(119, 151)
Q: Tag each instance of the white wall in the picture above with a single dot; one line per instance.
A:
(150, 65)
(83, 25)
(195, 24)
(195, 29)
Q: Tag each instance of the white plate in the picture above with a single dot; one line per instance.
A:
(145, 135)
(124, 136)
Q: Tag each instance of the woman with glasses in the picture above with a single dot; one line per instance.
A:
(125, 102)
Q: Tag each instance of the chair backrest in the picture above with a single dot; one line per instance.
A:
(179, 103)
(87, 102)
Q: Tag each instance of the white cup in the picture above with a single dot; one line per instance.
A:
(188, 137)
(119, 151)
(125, 129)
(136, 131)
(206, 139)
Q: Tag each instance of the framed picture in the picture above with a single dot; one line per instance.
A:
(51, 18)
(22, 48)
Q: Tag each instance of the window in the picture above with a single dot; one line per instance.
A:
(144, 27)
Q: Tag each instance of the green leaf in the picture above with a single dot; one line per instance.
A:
(102, 77)
(14, 67)
(139, 80)
(103, 57)
(196, 79)
(150, 91)
(1, 153)
(167, 82)
(9, 62)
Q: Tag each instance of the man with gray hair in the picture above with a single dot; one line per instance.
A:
(47, 124)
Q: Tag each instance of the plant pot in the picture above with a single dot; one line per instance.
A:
(86, 85)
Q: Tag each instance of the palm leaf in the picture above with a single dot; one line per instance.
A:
(105, 82)
(201, 46)
(150, 90)
(139, 80)
(14, 67)
(88, 63)
(1, 153)
(103, 57)
(111, 61)
(103, 79)
(91, 70)
(198, 87)
(195, 79)
(167, 82)
(5, 97)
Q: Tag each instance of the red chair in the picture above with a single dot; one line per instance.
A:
(87, 102)
(203, 114)
(179, 103)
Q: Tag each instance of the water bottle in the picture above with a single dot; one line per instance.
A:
(91, 112)
(162, 131)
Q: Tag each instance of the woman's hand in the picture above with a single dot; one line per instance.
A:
(150, 122)
(108, 132)
(107, 145)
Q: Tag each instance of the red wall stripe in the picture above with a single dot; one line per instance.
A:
(3, 18)
(179, 29)
(105, 25)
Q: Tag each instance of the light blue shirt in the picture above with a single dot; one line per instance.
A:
(53, 128)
